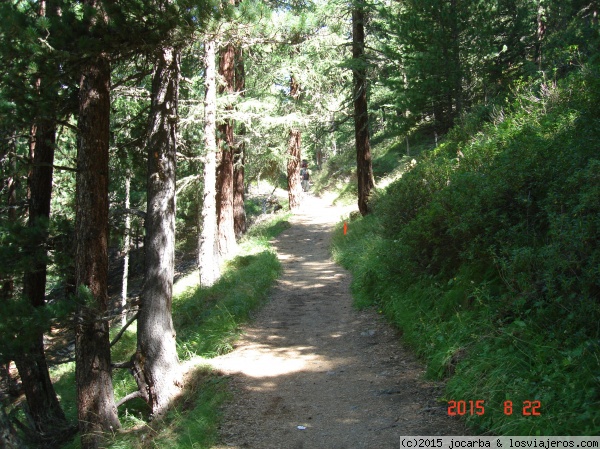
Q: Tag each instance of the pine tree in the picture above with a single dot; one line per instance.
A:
(97, 412)
(225, 142)
(294, 154)
(239, 211)
(47, 415)
(361, 115)
(159, 375)
(208, 253)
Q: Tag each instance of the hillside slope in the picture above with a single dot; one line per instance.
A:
(486, 254)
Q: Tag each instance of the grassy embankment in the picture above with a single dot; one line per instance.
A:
(207, 321)
(486, 254)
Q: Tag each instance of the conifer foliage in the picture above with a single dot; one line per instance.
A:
(170, 112)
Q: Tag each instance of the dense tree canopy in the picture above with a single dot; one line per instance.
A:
(119, 128)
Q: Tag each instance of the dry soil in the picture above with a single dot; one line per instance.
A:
(313, 372)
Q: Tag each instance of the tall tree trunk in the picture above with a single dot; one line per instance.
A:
(457, 73)
(226, 233)
(225, 229)
(157, 352)
(126, 250)
(44, 409)
(208, 253)
(239, 212)
(541, 32)
(7, 283)
(294, 155)
(293, 168)
(97, 412)
(319, 157)
(364, 166)
(11, 187)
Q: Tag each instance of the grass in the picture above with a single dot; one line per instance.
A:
(454, 327)
(489, 263)
(192, 420)
(207, 321)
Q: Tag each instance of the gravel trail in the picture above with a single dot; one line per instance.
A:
(313, 372)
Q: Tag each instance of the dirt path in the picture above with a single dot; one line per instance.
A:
(312, 372)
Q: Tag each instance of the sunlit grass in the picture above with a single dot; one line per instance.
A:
(192, 420)
(207, 321)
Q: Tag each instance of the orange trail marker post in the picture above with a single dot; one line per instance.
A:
(345, 228)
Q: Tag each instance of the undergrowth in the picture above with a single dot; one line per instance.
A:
(486, 254)
(207, 321)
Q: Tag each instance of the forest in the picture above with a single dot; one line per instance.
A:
(143, 137)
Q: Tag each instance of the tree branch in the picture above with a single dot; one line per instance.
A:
(68, 125)
(123, 211)
(122, 365)
(129, 397)
(124, 328)
(137, 77)
(183, 183)
(60, 167)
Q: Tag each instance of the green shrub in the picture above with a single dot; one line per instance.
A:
(486, 255)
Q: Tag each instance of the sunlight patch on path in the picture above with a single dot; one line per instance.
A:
(312, 372)
(263, 352)
(263, 361)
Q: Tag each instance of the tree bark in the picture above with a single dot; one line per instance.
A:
(7, 290)
(208, 253)
(456, 66)
(226, 233)
(47, 416)
(11, 189)
(540, 33)
(239, 211)
(225, 229)
(364, 167)
(293, 168)
(294, 154)
(96, 406)
(126, 250)
(157, 352)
